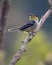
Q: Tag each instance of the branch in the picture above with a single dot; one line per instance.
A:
(50, 2)
(3, 20)
(29, 38)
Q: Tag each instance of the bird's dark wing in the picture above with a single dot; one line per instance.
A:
(27, 25)
(24, 27)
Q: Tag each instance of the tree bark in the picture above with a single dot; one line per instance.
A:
(3, 20)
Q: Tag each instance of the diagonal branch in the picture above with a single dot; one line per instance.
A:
(29, 38)
(3, 20)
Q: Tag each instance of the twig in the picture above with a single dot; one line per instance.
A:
(3, 19)
(50, 2)
(29, 38)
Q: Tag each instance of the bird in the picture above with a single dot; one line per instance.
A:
(29, 26)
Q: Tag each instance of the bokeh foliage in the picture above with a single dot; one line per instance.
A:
(36, 49)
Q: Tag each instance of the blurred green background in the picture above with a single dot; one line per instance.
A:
(41, 43)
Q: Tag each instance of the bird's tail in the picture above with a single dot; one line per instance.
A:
(14, 29)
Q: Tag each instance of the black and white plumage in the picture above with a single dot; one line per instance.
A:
(29, 26)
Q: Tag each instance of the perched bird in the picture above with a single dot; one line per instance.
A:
(29, 26)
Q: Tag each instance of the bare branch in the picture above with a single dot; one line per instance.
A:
(42, 20)
(3, 19)
(29, 38)
(50, 2)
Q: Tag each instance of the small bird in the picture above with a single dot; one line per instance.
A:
(29, 26)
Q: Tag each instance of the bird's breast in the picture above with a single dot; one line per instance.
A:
(29, 29)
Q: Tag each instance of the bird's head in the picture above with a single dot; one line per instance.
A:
(34, 17)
